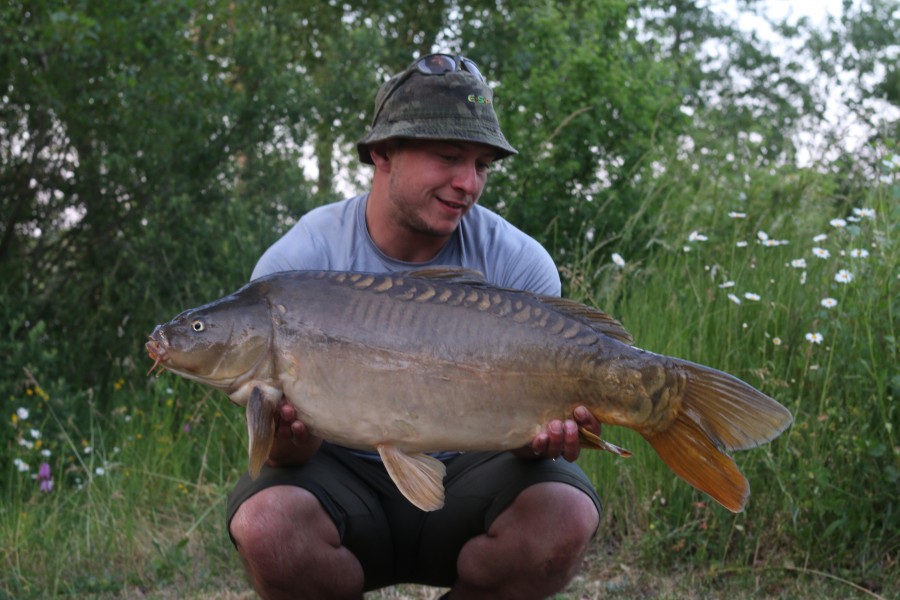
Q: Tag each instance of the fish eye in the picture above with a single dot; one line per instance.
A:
(198, 326)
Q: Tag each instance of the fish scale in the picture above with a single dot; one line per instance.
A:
(439, 360)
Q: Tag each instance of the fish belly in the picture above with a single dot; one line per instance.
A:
(418, 407)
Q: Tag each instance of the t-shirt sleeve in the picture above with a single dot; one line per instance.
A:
(532, 269)
(294, 251)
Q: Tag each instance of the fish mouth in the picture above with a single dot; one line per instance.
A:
(157, 352)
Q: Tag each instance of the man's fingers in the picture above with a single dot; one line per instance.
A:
(571, 443)
(288, 412)
(555, 439)
(585, 419)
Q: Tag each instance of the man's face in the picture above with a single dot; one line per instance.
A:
(434, 183)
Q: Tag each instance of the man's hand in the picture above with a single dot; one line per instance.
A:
(293, 444)
(560, 438)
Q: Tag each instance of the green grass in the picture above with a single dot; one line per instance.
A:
(138, 499)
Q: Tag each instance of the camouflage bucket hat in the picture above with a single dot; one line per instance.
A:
(455, 105)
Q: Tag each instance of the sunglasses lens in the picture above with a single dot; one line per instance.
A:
(472, 68)
(437, 64)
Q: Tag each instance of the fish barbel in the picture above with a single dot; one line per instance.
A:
(440, 360)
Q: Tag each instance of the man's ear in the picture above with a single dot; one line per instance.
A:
(381, 152)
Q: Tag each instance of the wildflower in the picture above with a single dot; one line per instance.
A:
(776, 341)
(21, 465)
(803, 278)
(100, 471)
(46, 453)
(22, 413)
(859, 253)
(696, 236)
(821, 252)
(35, 434)
(618, 260)
(686, 248)
(799, 263)
(726, 284)
(838, 223)
(44, 479)
(828, 302)
(734, 298)
(752, 296)
(737, 215)
(741, 244)
(866, 213)
(843, 276)
(26, 443)
(820, 238)
(814, 338)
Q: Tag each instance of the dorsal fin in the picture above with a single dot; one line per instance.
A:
(454, 274)
(594, 318)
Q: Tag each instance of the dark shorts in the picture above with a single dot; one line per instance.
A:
(394, 541)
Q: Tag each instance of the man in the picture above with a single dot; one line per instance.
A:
(324, 521)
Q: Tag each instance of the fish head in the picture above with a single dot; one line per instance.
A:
(223, 344)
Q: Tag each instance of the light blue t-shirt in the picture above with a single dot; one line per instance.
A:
(334, 237)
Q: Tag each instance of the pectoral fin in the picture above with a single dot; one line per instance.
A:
(419, 477)
(589, 439)
(261, 428)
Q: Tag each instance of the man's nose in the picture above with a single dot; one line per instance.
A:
(466, 178)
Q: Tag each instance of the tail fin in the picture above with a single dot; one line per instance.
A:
(719, 412)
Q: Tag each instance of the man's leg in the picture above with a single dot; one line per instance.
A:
(292, 548)
(532, 549)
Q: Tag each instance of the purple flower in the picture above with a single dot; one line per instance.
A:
(44, 478)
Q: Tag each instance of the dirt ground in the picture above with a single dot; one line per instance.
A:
(611, 573)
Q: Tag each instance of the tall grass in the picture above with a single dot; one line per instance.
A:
(733, 282)
(137, 494)
(804, 306)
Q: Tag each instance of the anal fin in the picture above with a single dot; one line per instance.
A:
(589, 439)
(419, 477)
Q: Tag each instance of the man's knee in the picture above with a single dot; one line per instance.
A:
(270, 518)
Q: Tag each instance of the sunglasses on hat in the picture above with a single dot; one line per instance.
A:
(440, 64)
(432, 64)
